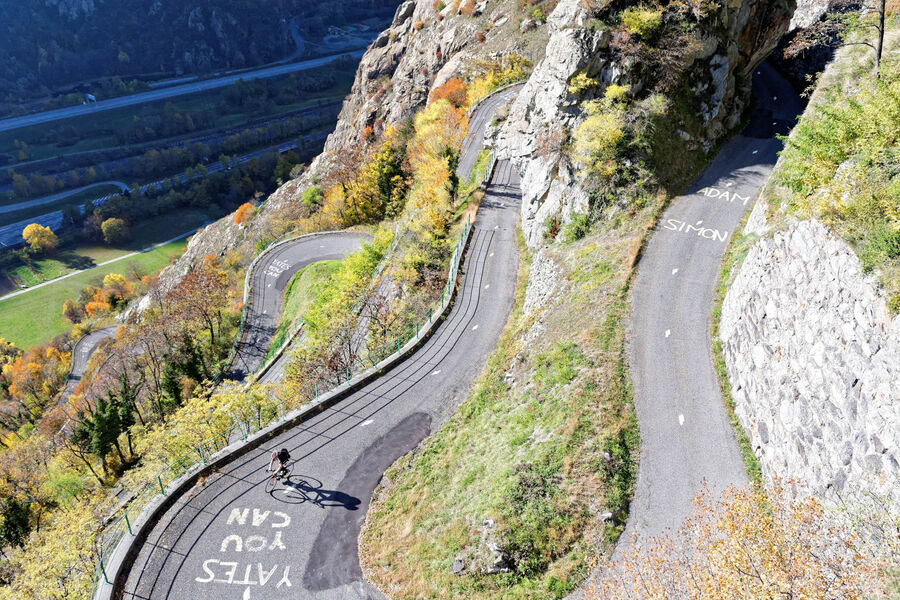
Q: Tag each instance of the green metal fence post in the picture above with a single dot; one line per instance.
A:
(348, 374)
(127, 522)
(376, 358)
(316, 388)
(398, 345)
(162, 488)
(417, 329)
(103, 570)
(200, 452)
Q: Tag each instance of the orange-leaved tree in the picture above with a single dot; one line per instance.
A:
(751, 544)
(244, 212)
(453, 90)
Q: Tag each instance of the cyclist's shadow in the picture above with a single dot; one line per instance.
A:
(299, 489)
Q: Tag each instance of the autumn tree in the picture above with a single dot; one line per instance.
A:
(72, 311)
(244, 213)
(40, 239)
(453, 90)
(115, 231)
(749, 544)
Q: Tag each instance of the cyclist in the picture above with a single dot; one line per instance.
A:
(283, 457)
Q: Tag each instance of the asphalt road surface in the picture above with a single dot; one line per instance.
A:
(169, 92)
(59, 196)
(229, 539)
(686, 438)
(478, 122)
(81, 354)
(268, 281)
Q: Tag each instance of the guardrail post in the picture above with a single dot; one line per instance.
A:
(417, 329)
(103, 570)
(162, 488)
(200, 452)
(128, 523)
(348, 374)
(376, 358)
(398, 344)
(316, 389)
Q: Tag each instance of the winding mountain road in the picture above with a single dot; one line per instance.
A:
(268, 280)
(686, 439)
(81, 354)
(229, 539)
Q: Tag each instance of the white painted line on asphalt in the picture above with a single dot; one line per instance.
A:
(756, 152)
(700, 222)
(436, 372)
(474, 328)
(681, 420)
(491, 254)
(367, 422)
(674, 271)
(668, 332)
(487, 286)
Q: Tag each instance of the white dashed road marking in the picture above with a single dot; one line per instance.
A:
(756, 152)
(668, 332)
(474, 328)
(487, 286)
(674, 271)
(368, 422)
(681, 420)
(436, 372)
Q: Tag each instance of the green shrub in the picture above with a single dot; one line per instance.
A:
(577, 228)
(642, 21)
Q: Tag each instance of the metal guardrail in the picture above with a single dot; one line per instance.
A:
(308, 397)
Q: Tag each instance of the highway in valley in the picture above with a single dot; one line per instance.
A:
(230, 539)
(686, 439)
(169, 92)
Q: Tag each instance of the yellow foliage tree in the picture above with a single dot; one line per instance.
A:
(39, 238)
(597, 138)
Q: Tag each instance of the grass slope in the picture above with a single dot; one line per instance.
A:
(36, 317)
(540, 459)
(299, 295)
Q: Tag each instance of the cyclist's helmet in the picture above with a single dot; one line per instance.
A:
(284, 455)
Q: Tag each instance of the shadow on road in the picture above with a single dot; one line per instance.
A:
(299, 490)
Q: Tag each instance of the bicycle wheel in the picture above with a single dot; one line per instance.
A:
(271, 482)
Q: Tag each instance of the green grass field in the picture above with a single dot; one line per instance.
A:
(86, 256)
(36, 316)
(299, 295)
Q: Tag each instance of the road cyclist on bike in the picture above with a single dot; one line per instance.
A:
(283, 457)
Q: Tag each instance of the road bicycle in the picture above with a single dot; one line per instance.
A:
(280, 474)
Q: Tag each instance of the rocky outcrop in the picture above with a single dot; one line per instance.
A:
(813, 358)
(422, 48)
(743, 35)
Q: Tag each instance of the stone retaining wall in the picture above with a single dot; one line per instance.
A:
(813, 357)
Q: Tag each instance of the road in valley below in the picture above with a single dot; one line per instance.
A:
(686, 439)
(169, 92)
(229, 539)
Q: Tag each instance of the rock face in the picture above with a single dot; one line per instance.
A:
(747, 32)
(814, 362)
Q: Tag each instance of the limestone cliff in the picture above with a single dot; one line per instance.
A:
(719, 72)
